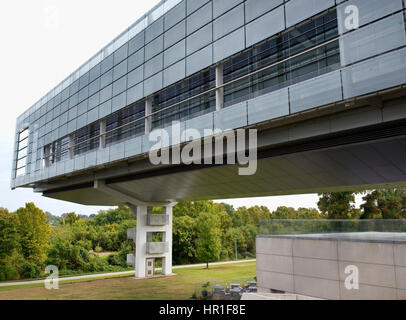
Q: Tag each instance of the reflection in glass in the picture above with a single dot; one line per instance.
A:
(87, 139)
(156, 14)
(183, 90)
(170, 4)
(306, 66)
(122, 125)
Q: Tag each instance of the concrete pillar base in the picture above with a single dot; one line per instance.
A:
(143, 237)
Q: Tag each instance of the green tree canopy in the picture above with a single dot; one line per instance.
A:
(115, 215)
(70, 218)
(208, 243)
(384, 204)
(228, 208)
(52, 220)
(184, 237)
(338, 205)
(192, 208)
(34, 233)
(9, 237)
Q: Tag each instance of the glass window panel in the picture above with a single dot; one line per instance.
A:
(183, 90)
(156, 14)
(371, 11)
(23, 144)
(97, 59)
(385, 71)
(138, 28)
(66, 83)
(20, 172)
(87, 139)
(22, 153)
(22, 163)
(373, 39)
(316, 92)
(23, 134)
(305, 36)
(123, 124)
(121, 41)
(109, 50)
(60, 150)
(170, 4)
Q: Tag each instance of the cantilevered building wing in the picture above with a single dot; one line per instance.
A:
(323, 82)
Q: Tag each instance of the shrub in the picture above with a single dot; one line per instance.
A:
(224, 255)
(66, 256)
(126, 248)
(59, 255)
(115, 260)
(79, 256)
(95, 264)
(8, 272)
(87, 244)
(98, 249)
(30, 270)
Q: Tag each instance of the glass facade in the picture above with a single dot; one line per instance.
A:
(168, 59)
(310, 34)
(22, 149)
(185, 90)
(125, 124)
(60, 150)
(87, 139)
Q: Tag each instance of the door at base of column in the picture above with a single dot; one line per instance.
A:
(150, 268)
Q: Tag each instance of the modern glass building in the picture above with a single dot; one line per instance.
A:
(194, 60)
(317, 78)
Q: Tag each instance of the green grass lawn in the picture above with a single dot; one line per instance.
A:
(178, 287)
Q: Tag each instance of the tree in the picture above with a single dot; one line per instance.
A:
(67, 256)
(250, 216)
(192, 208)
(370, 207)
(228, 208)
(392, 203)
(12, 263)
(208, 243)
(116, 215)
(225, 224)
(338, 205)
(184, 236)
(34, 233)
(238, 234)
(70, 218)
(52, 220)
(250, 234)
(284, 213)
(385, 204)
(308, 213)
(9, 238)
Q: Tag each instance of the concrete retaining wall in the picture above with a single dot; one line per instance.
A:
(316, 268)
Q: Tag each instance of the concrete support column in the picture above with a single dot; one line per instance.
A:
(167, 260)
(148, 119)
(141, 242)
(102, 142)
(144, 235)
(219, 90)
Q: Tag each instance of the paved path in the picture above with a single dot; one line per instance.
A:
(20, 283)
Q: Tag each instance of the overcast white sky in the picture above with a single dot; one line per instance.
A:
(42, 42)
